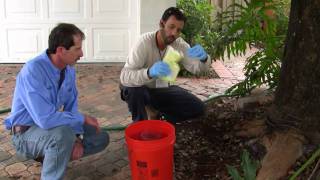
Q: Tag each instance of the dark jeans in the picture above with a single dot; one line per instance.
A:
(174, 102)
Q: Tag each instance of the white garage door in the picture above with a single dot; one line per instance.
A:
(111, 27)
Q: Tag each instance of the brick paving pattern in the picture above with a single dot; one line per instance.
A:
(98, 96)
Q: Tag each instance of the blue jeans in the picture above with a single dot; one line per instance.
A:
(56, 145)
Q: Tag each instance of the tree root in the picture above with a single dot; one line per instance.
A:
(283, 149)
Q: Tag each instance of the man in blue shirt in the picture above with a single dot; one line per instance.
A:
(45, 121)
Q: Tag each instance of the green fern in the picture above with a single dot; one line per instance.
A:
(242, 26)
(249, 168)
(234, 173)
(236, 29)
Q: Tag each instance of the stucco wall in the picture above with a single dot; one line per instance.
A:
(151, 12)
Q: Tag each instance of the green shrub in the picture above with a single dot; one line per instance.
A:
(199, 24)
(199, 27)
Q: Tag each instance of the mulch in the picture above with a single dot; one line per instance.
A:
(205, 146)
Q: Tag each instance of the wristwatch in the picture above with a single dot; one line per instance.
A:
(80, 136)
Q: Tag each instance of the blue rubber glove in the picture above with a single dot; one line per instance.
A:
(197, 52)
(159, 69)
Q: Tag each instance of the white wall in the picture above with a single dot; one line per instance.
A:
(151, 12)
(111, 26)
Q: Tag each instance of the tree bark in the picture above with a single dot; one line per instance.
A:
(297, 98)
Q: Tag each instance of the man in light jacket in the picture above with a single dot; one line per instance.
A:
(141, 84)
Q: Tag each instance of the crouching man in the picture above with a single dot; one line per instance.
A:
(146, 94)
(45, 121)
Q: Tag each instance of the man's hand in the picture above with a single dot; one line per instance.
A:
(198, 52)
(92, 122)
(159, 69)
(77, 151)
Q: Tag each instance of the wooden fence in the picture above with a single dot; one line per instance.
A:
(221, 5)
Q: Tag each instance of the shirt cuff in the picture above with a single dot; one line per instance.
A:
(204, 60)
(79, 117)
(146, 74)
(208, 61)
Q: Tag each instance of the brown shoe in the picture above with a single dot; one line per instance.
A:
(39, 159)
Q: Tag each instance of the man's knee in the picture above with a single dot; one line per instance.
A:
(105, 139)
(64, 135)
(96, 143)
(131, 93)
(198, 109)
(202, 108)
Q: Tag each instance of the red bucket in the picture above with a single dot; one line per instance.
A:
(150, 146)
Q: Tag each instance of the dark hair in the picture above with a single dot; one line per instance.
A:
(62, 35)
(173, 11)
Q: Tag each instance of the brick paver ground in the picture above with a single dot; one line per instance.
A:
(99, 97)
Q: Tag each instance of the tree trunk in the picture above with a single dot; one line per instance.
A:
(297, 98)
(295, 114)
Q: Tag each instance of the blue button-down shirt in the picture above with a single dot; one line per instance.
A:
(38, 100)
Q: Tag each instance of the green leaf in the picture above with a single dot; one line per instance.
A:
(234, 29)
(234, 173)
(249, 167)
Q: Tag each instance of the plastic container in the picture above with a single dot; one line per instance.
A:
(172, 58)
(150, 149)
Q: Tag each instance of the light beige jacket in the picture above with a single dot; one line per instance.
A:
(145, 53)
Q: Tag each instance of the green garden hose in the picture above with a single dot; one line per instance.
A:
(113, 128)
(123, 127)
(5, 110)
(212, 98)
(103, 128)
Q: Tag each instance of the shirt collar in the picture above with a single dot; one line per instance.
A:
(51, 66)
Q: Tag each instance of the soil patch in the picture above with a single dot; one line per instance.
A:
(206, 145)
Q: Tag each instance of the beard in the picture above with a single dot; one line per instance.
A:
(167, 39)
